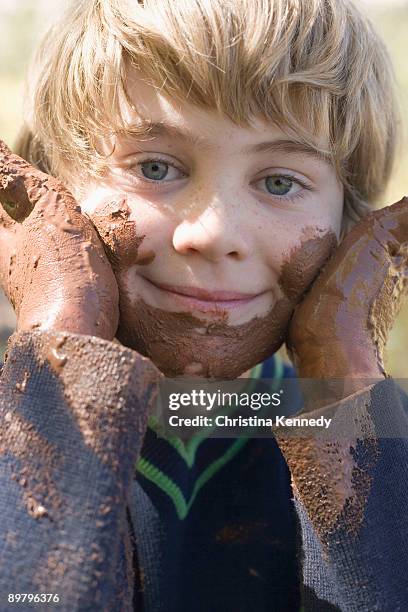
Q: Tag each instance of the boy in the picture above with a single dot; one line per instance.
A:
(217, 152)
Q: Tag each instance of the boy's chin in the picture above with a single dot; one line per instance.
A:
(211, 360)
(180, 344)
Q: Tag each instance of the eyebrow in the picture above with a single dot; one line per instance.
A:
(281, 145)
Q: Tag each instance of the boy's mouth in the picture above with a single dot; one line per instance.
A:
(196, 298)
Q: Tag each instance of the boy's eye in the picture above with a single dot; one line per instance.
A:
(154, 170)
(279, 185)
(158, 169)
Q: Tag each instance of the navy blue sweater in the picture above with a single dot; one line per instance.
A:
(223, 535)
(99, 510)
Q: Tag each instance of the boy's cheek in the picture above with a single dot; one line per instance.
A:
(305, 259)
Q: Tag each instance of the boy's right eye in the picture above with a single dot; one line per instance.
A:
(156, 170)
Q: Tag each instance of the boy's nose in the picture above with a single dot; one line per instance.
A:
(212, 235)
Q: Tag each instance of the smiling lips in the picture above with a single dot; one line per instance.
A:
(196, 298)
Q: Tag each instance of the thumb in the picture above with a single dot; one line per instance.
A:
(391, 227)
(8, 247)
(15, 206)
(13, 185)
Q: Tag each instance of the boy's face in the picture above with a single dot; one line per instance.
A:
(215, 232)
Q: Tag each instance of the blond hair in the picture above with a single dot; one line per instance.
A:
(315, 67)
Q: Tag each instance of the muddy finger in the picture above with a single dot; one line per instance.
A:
(391, 226)
(22, 186)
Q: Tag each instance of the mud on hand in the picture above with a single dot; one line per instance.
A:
(341, 327)
(53, 266)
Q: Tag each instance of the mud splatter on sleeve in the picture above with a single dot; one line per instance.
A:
(351, 495)
(73, 412)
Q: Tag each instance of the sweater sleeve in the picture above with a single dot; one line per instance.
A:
(351, 496)
(73, 413)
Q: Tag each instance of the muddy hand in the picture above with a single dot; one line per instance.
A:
(340, 329)
(53, 266)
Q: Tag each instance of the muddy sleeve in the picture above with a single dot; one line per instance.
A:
(351, 495)
(73, 412)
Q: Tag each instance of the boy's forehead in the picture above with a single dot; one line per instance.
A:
(163, 117)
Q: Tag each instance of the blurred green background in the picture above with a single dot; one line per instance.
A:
(21, 24)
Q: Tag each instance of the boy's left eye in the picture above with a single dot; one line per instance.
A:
(281, 185)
